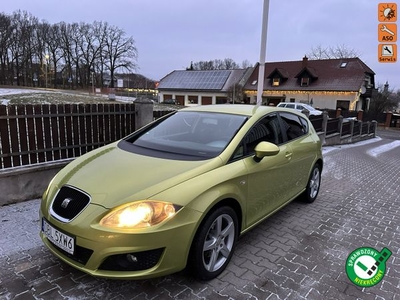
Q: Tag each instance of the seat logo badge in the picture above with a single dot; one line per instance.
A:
(366, 266)
(65, 202)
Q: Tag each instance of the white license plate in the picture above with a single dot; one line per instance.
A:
(58, 238)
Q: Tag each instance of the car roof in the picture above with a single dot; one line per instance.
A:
(238, 109)
(294, 103)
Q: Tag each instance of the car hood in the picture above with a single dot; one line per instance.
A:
(112, 176)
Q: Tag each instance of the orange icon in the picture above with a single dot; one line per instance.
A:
(387, 53)
(387, 12)
(387, 33)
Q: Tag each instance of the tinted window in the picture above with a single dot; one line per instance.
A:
(266, 130)
(305, 124)
(292, 125)
(290, 106)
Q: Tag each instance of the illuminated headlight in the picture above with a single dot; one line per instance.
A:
(139, 214)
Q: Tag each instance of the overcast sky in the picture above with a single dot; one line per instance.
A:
(169, 34)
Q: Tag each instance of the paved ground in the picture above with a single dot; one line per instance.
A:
(299, 253)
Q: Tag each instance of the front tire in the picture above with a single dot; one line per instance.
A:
(214, 243)
(313, 185)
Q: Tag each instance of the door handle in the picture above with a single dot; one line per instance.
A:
(288, 155)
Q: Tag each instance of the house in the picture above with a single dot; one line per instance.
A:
(191, 87)
(346, 83)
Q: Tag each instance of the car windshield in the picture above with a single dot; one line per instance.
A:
(197, 134)
(309, 107)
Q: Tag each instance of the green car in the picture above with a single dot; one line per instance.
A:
(179, 192)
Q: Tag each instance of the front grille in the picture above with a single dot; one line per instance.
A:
(137, 261)
(68, 203)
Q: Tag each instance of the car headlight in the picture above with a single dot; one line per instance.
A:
(139, 214)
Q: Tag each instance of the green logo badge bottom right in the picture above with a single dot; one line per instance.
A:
(366, 266)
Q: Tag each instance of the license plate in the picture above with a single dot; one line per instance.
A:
(58, 238)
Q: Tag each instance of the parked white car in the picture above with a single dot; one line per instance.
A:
(300, 107)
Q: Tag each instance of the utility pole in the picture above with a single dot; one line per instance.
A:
(46, 56)
(261, 67)
(93, 83)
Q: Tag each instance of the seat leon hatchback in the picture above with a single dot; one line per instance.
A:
(179, 192)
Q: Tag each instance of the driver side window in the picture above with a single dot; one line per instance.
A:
(266, 130)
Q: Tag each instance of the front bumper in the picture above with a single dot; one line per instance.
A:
(141, 254)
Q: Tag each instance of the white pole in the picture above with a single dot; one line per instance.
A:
(93, 83)
(261, 68)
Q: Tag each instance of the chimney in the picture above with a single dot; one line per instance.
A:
(305, 59)
(386, 87)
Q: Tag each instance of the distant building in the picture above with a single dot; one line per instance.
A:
(190, 87)
(346, 83)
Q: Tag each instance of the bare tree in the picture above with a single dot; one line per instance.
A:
(20, 46)
(216, 64)
(119, 52)
(229, 64)
(66, 52)
(5, 42)
(31, 50)
(54, 46)
(339, 51)
(384, 100)
(246, 64)
(235, 93)
(203, 65)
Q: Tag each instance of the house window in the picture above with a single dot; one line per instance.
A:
(368, 81)
(275, 81)
(305, 81)
(254, 82)
(343, 104)
(343, 64)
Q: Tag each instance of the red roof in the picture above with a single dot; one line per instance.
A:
(345, 74)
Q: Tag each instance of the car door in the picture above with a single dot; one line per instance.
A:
(303, 149)
(267, 184)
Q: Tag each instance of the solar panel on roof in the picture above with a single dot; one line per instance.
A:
(202, 80)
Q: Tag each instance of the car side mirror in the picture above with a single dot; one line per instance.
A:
(265, 149)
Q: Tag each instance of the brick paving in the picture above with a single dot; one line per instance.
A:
(299, 253)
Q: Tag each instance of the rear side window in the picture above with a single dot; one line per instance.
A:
(293, 125)
(290, 106)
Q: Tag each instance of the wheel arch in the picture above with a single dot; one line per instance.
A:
(234, 204)
(320, 162)
(227, 201)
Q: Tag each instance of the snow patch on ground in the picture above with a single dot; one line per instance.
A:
(384, 148)
(122, 98)
(20, 91)
(328, 149)
(4, 92)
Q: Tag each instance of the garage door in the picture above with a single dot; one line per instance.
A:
(206, 100)
(180, 100)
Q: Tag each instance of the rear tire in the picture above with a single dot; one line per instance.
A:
(313, 185)
(214, 243)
